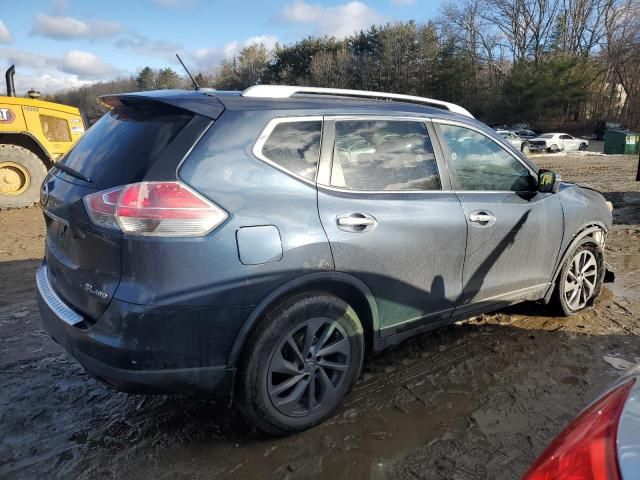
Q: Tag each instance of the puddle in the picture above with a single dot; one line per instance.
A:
(627, 279)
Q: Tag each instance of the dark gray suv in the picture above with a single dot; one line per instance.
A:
(255, 245)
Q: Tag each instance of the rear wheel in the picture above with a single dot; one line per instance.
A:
(300, 363)
(583, 146)
(21, 174)
(580, 279)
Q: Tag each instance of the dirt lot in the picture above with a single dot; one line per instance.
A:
(479, 399)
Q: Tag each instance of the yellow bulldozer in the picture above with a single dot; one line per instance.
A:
(34, 134)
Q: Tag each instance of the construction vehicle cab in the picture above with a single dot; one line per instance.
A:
(34, 134)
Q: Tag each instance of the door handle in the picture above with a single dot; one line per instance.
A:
(481, 217)
(355, 222)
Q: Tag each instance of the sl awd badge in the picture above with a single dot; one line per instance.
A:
(89, 288)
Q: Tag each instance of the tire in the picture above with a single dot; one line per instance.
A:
(525, 149)
(553, 149)
(21, 175)
(271, 372)
(582, 147)
(562, 299)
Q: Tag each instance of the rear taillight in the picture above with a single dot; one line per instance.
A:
(101, 207)
(586, 449)
(162, 209)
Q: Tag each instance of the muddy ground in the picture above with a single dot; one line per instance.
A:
(479, 399)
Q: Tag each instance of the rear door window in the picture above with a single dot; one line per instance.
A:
(383, 155)
(295, 146)
(121, 146)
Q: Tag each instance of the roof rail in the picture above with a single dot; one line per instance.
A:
(286, 91)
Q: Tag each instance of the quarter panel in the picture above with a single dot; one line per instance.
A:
(207, 271)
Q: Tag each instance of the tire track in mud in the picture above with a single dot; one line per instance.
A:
(430, 365)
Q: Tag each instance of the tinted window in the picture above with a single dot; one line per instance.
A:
(121, 146)
(383, 155)
(295, 146)
(566, 137)
(479, 163)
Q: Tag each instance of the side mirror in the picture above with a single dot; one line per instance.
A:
(548, 181)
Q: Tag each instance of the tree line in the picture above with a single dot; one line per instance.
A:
(546, 62)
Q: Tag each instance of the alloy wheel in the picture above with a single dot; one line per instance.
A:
(308, 367)
(580, 280)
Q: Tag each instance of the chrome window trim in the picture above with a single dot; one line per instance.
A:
(53, 301)
(381, 192)
(266, 132)
(388, 117)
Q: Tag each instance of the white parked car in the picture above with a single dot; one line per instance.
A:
(556, 142)
(512, 138)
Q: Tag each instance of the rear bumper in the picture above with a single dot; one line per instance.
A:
(147, 349)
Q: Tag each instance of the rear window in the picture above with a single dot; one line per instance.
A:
(121, 146)
(295, 146)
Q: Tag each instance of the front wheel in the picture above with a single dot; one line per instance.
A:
(580, 279)
(554, 149)
(300, 363)
(525, 149)
(582, 147)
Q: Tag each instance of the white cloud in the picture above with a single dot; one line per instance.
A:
(85, 65)
(68, 28)
(48, 83)
(338, 21)
(211, 57)
(22, 58)
(5, 34)
(145, 46)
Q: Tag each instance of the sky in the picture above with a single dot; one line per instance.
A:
(61, 44)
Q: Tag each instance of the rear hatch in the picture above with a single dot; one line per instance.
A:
(125, 146)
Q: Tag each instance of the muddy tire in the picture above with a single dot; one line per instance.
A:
(554, 149)
(21, 175)
(299, 364)
(580, 280)
(525, 149)
(582, 147)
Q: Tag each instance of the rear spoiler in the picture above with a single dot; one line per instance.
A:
(201, 103)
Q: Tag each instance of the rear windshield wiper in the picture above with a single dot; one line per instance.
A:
(72, 172)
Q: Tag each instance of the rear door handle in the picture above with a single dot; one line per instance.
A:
(355, 222)
(482, 217)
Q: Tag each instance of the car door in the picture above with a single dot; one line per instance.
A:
(568, 142)
(391, 219)
(514, 232)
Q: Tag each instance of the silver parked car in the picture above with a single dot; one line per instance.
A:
(557, 142)
(602, 442)
(512, 138)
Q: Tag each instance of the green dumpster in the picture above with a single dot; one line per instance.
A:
(621, 142)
